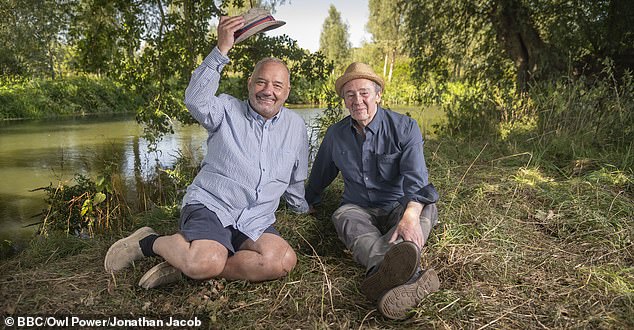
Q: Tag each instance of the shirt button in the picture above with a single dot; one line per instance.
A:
(366, 178)
(263, 170)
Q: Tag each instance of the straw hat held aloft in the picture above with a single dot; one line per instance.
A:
(256, 20)
(357, 70)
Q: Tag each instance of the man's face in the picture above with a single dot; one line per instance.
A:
(269, 87)
(361, 99)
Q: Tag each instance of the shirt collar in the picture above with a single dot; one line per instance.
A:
(252, 114)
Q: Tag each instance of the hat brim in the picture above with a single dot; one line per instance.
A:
(341, 81)
(266, 26)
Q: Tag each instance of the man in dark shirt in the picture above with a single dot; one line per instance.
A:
(388, 205)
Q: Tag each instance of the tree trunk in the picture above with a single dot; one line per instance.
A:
(392, 60)
(385, 65)
(620, 38)
(519, 37)
(51, 59)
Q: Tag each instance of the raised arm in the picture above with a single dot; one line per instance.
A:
(200, 95)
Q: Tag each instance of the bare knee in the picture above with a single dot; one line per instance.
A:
(279, 263)
(286, 263)
(289, 260)
(203, 268)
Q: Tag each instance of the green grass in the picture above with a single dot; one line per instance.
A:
(521, 244)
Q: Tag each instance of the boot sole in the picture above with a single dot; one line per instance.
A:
(161, 274)
(396, 303)
(398, 267)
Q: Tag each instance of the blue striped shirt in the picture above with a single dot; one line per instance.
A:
(250, 162)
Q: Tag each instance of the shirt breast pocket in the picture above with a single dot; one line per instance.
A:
(283, 164)
(388, 166)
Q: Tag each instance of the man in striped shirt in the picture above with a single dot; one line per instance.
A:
(257, 153)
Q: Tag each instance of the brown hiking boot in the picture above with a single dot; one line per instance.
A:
(126, 250)
(399, 265)
(396, 303)
(160, 274)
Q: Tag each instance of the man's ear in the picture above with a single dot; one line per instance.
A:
(378, 97)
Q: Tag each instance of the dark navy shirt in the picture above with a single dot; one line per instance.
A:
(384, 168)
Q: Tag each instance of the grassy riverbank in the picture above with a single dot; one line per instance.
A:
(522, 243)
(76, 95)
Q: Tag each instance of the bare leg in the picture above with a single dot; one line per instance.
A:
(200, 259)
(268, 258)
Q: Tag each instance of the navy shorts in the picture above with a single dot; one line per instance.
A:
(198, 222)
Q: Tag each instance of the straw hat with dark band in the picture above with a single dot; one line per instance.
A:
(357, 70)
(256, 20)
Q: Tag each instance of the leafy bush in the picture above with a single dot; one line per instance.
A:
(589, 112)
(84, 209)
(77, 95)
(469, 109)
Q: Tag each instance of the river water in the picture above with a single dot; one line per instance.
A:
(37, 153)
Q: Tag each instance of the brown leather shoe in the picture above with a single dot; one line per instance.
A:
(160, 274)
(399, 265)
(126, 250)
(396, 303)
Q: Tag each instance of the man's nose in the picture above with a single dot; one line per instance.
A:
(268, 88)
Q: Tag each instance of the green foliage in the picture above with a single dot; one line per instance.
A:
(93, 207)
(306, 69)
(581, 114)
(30, 40)
(386, 22)
(39, 98)
(333, 113)
(468, 109)
(84, 209)
(334, 41)
(402, 89)
(457, 38)
(167, 186)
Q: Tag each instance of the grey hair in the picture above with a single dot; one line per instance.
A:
(274, 60)
(377, 87)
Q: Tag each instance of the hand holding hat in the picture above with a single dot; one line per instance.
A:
(234, 29)
(226, 29)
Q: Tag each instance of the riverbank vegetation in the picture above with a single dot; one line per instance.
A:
(533, 160)
(80, 95)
